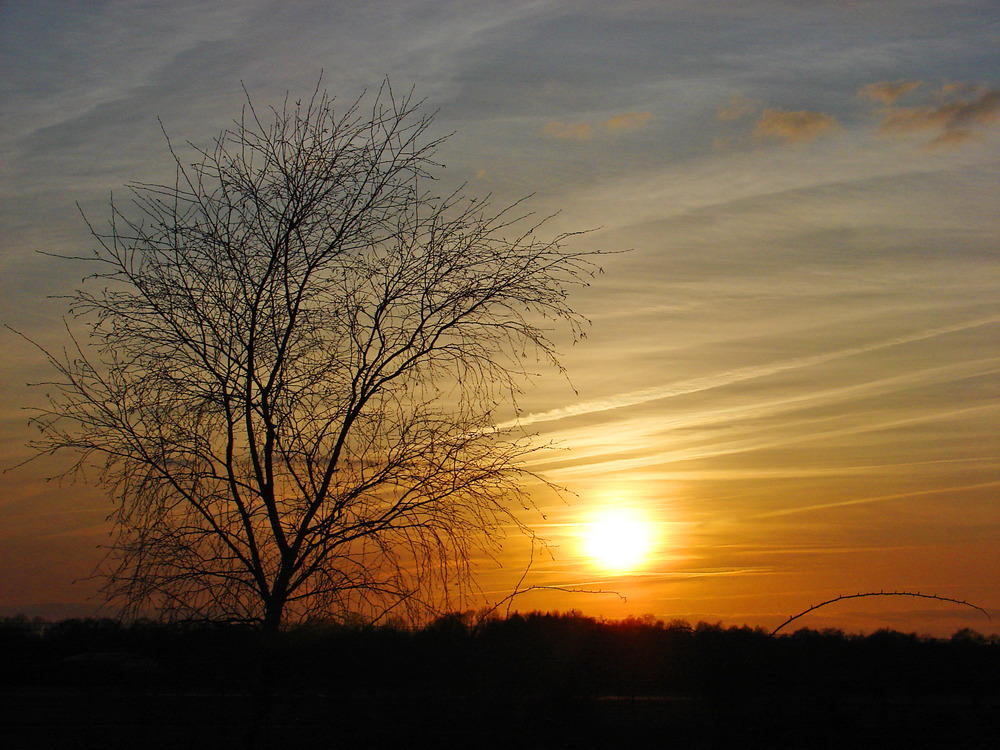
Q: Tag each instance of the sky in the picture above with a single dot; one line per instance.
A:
(790, 378)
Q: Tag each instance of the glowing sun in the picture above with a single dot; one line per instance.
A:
(618, 540)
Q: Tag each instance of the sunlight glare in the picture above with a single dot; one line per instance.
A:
(618, 540)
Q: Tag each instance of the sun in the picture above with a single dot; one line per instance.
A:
(618, 540)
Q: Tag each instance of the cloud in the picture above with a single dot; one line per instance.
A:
(738, 106)
(888, 92)
(794, 127)
(719, 380)
(953, 137)
(568, 131)
(875, 499)
(954, 121)
(955, 114)
(627, 121)
(984, 109)
(582, 131)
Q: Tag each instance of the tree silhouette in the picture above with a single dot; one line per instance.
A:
(294, 365)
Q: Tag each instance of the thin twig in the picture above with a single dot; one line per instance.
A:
(793, 618)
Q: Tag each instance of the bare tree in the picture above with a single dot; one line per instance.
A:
(295, 361)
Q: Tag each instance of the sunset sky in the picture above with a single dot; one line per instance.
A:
(791, 380)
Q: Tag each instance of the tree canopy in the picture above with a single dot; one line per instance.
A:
(295, 358)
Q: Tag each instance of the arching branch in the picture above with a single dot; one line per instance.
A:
(842, 597)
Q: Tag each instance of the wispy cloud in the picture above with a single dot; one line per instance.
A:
(737, 107)
(949, 117)
(621, 437)
(952, 137)
(627, 121)
(729, 377)
(953, 122)
(568, 131)
(981, 110)
(887, 92)
(582, 131)
(874, 499)
(794, 126)
(796, 433)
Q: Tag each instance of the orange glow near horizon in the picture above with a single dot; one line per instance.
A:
(782, 386)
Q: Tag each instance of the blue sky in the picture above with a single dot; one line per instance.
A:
(793, 372)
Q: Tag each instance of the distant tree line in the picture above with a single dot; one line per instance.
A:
(534, 653)
(526, 680)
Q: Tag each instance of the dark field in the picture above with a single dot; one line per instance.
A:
(532, 681)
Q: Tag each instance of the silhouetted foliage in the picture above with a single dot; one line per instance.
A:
(529, 680)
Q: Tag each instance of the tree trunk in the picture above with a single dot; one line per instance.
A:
(263, 691)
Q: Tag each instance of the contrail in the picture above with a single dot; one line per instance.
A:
(738, 375)
(588, 465)
(876, 499)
